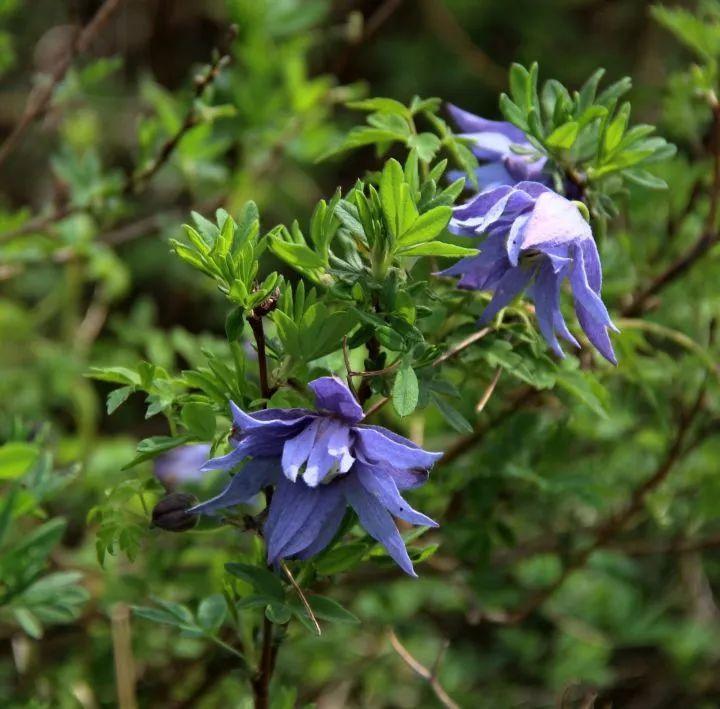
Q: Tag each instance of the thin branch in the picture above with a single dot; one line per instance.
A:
(261, 681)
(488, 391)
(300, 593)
(40, 97)
(123, 655)
(376, 407)
(137, 179)
(348, 368)
(256, 325)
(710, 236)
(429, 675)
(202, 82)
(463, 344)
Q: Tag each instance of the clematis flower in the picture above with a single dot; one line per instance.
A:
(320, 462)
(535, 240)
(492, 143)
(181, 464)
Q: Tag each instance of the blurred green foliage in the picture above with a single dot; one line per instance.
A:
(170, 112)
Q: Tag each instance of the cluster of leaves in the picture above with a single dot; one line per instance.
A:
(29, 593)
(586, 135)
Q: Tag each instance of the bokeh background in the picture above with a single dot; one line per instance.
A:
(87, 280)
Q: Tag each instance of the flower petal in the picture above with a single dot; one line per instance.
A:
(321, 461)
(378, 482)
(378, 445)
(471, 123)
(596, 332)
(297, 450)
(292, 507)
(378, 523)
(329, 529)
(322, 504)
(513, 282)
(332, 395)
(244, 485)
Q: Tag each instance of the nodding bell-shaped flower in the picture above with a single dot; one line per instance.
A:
(321, 462)
(535, 239)
(492, 143)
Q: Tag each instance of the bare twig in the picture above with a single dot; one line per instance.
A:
(376, 406)
(463, 344)
(488, 391)
(40, 97)
(429, 675)
(202, 82)
(124, 660)
(139, 178)
(348, 368)
(300, 593)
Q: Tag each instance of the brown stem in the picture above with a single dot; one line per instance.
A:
(261, 681)
(256, 325)
(430, 675)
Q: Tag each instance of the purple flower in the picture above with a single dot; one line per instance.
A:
(535, 239)
(181, 464)
(320, 462)
(492, 143)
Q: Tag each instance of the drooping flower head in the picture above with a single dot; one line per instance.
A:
(320, 462)
(181, 464)
(535, 240)
(492, 143)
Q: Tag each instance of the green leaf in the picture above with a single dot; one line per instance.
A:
(328, 609)
(28, 622)
(117, 375)
(117, 397)
(456, 420)
(15, 459)
(397, 206)
(234, 323)
(153, 446)
(646, 179)
(199, 419)
(426, 145)
(296, 255)
(384, 105)
(264, 582)
(427, 226)
(405, 391)
(513, 113)
(341, 558)
(563, 136)
(278, 613)
(437, 248)
(211, 612)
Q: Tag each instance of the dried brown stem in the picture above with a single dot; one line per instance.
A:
(40, 98)
(429, 675)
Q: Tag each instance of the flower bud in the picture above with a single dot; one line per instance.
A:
(171, 513)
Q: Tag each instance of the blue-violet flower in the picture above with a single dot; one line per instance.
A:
(181, 464)
(535, 238)
(320, 462)
(492, 143)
